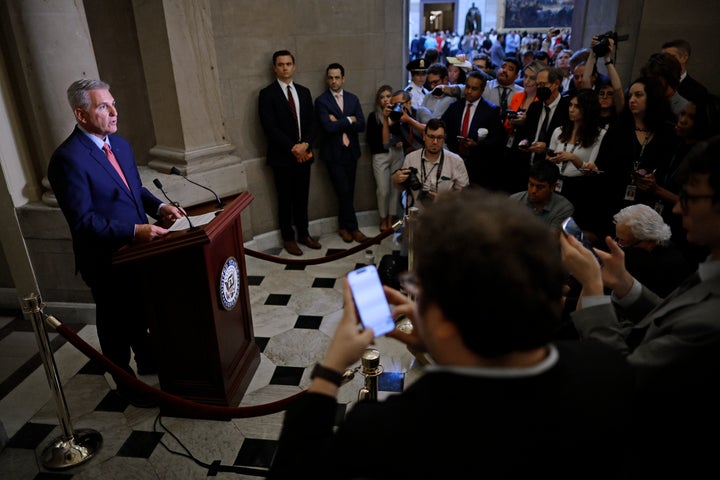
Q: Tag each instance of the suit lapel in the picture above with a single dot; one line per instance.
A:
(99, 157)
(672, 302)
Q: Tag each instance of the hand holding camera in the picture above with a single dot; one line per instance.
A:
(397, 112)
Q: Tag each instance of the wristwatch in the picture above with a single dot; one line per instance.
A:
(332, 376)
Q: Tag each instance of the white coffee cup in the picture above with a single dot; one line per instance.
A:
(482, 133)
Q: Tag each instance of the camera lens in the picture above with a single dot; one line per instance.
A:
(396, 112)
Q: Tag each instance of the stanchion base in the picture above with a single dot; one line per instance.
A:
(66, 452)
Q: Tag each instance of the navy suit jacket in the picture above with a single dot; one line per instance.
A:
(277, 121)
(331, 139)
(487, 115)
(100, 210)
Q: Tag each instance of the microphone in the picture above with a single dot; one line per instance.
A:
(176, 171)
(176, 204)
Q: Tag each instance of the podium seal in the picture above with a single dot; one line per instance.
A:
(230, 283)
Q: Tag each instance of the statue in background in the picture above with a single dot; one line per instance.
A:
(473, 20)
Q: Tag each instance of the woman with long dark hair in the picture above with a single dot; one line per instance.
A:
(574, 147)
(640, 142)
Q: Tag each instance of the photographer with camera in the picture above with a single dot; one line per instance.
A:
(407, 123)
(430, 170)
(603, 46)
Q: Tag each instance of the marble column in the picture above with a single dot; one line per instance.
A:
(178, 54)
(54, 49)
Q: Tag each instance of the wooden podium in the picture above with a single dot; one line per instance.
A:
(195, 296)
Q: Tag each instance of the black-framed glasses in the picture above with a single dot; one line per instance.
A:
(433, 138)
(621, 243)
(685, 198)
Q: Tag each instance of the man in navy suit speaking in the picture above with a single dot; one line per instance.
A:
(341, 118)
(97, 185)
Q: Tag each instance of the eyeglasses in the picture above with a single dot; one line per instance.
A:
(605, 94)
(434, 138)
(684, 198)
(542, 84)
(621, 243)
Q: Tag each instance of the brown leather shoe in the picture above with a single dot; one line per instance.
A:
(310, 243)
(345, 235)
(292, 247)
(358, 236)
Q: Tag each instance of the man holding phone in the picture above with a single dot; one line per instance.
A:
(474, 131)
(673, 343)
(488, 282)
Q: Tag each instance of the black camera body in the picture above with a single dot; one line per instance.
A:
(412, 182)
(397, 111)
(603, 46)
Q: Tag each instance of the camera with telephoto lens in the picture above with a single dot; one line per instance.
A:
(602, 47)
(397, 111)
(412, 182)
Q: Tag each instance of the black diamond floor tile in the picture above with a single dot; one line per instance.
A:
(323, 283)
(308, 321)
(256, 452)
(112, 403)
(255, 280)
(277, 299)
(30, 435)
(92, 368)
(295, 267)
(140, 444)
(262, 342)
(287, 376)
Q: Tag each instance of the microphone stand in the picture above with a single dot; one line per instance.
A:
(176, 171)
(176, 204)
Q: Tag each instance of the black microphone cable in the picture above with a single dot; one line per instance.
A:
(176, 171)
(176, 204)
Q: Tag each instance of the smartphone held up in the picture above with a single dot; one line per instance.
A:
(571, 229)
(370, 300)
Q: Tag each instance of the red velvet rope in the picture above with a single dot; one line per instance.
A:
(177, 406)
(173, 405)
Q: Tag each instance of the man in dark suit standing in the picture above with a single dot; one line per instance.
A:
(543, 117)
(474, 131)
(97, 185)
(341, 119)
(288, 119)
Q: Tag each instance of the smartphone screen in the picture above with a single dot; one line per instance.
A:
(369, 296)
(571, 228)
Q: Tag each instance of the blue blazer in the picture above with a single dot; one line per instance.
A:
(278, 123)
(331, 140)
(100, 210)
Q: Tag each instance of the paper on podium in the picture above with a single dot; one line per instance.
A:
(197, 221)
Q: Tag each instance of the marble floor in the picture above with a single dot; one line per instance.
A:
(295, 310)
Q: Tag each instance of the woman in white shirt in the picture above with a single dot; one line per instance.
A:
(575, 147)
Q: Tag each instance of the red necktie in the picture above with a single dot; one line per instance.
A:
(462, 149)
(346, 140)
(113, 161)
(291, 101)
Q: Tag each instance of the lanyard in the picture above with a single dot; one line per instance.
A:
(439, 170)
(564, 164)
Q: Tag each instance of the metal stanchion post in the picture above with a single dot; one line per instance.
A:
(413, 214)
(72, 447)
